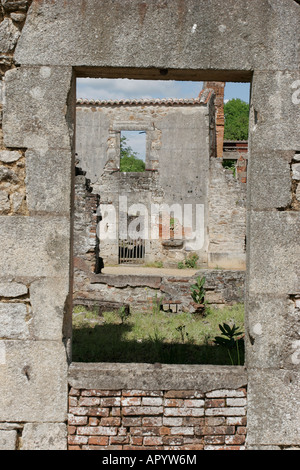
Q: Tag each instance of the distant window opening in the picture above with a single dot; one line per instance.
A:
(132, 151)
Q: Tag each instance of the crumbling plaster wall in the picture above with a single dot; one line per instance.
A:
(219, 40)
(178, 148)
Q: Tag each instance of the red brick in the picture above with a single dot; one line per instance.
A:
(119, 440)
(137, 441)
(77, 440)
(89, 401)
(74, 392)
(216, 430)
(129, 421)
(241, 430)
(93, 421)
(98, 440)
(153, 441)
(217, 440)
(72, 401)
(97, 431)
(77, 420)
(164, 431)
(100, 393)
(97, 412)
(131, 401)
(215, 403)
(72, 429)
(174, 402)
(110, 401)
(110, 421)
(235, 440)
(152, 421)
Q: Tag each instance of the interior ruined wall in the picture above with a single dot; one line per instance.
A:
(223, 41)
(178, 148)
(181, 168)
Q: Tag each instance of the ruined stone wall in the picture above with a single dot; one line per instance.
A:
(227, 218)
(180, 169)
(223, 287)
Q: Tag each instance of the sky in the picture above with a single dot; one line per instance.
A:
(117, 89)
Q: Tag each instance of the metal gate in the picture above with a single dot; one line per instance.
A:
(131, 251)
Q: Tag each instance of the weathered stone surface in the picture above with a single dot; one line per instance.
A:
(272, 338)
(273, 412)
(46, 436)
(18, 17)
(270, 179)
(273, 266)
(123, 280)
(155, 377)
(197, 28)
(296, 171)
(33, 375)
(12, 289)
(31, 106)
(52, 193)
(14, 324)
(9, 156)
(48, 298)
(41, 244)
(8, 440)
(4, 201)
(275, 114)
(9, 35)
(6, 174)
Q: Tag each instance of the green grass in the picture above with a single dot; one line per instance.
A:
(156, 336)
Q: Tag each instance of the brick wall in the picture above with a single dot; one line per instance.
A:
(163, 420)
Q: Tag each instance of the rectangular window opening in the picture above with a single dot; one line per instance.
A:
(159, 257)
(133, 151)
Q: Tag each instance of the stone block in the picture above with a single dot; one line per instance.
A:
(164, 32)
(37, 113)
(48, 298)
(273, 261)
(51, 192)
(273, 411)
(44, 436)
(35, 246)
(33, 381)
(296, 171)
(9, 35)
(13, 321)
(8, 440)
(275, 117)
(272, 336)
(9, 156)
(4, 201)
(270, 180)
(12, 289)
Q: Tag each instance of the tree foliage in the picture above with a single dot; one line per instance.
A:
(236, 113)
(129, 161)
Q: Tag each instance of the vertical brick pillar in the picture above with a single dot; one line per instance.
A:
(218, 88)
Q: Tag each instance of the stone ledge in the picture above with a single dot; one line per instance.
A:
(112, 376)
(127, 280)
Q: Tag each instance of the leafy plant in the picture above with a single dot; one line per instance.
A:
(189, 262)
(198, 291)
(230, 340)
